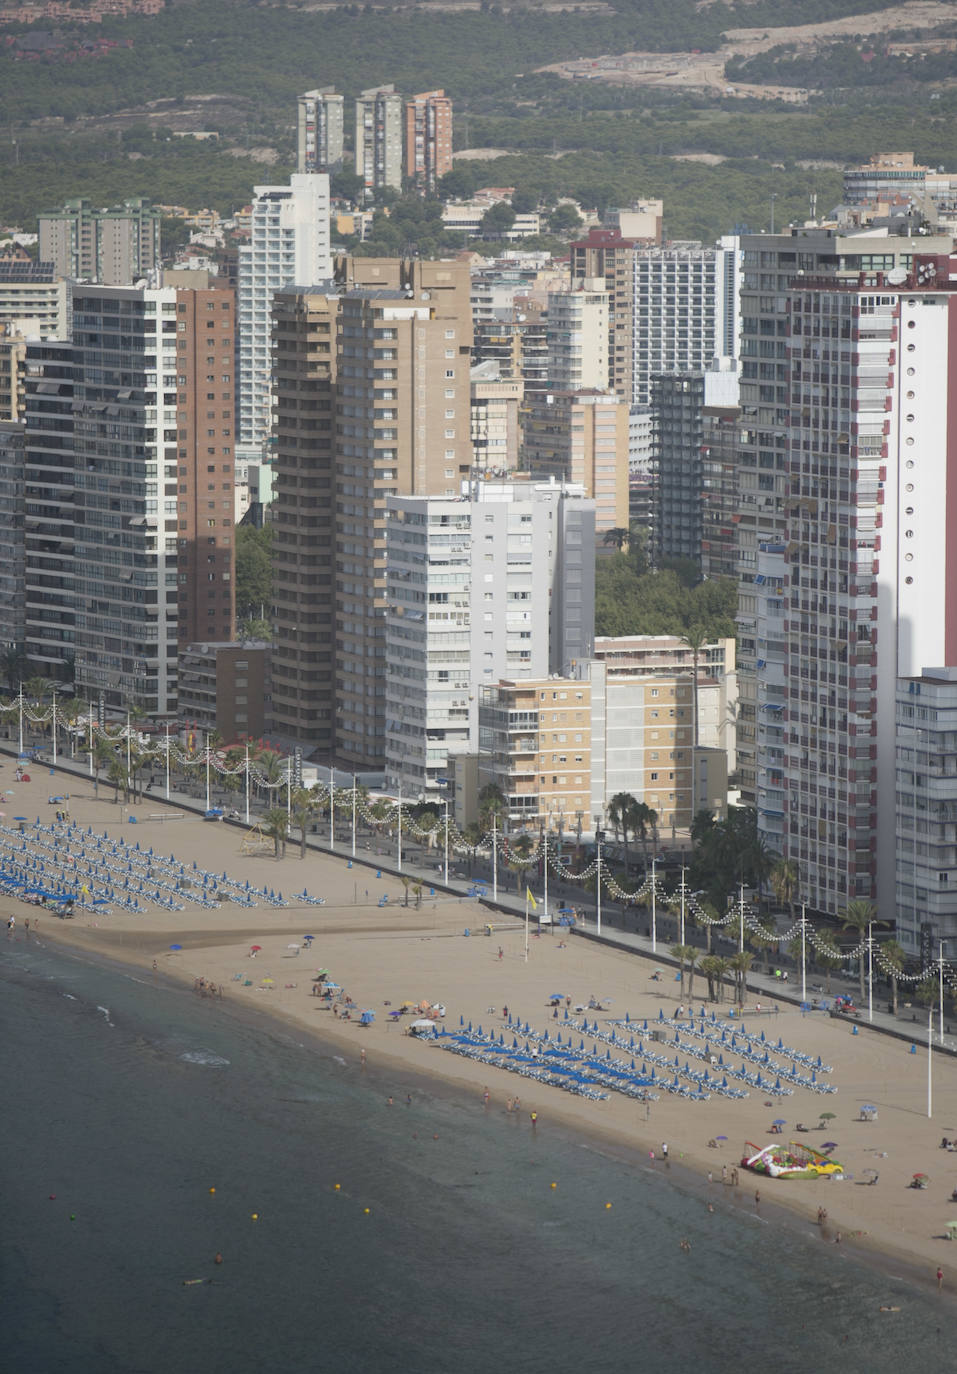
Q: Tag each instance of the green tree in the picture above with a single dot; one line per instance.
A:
(254, 576)
(564, 219)
(827, 955)
(519, 859)
(784, 877)
(276, 823)
(740, 965)
(301, 811)
(893, 957)
(497, 220)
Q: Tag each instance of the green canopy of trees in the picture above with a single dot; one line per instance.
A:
(630, 600)
(253, 570)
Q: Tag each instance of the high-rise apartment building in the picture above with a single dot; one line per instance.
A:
(576, 335)
(497, 585)
(677, 402)
(926, 896)
(288, 242)
(581, 437)
(387, 359)
(859, 593)
(772, 266)
(114, 247)
(12, 518)
(380, 120)
(428, 139)
(319, 130)
(153, 509)
(304, 516)
(49, 462)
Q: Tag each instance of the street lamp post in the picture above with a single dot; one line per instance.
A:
(930, 1055)
(399, 848)
(494, 858)
(870, 971)
(654, 908)
(332, 807)
(598, 888)
(54, 727)
(445, 803)
(803, 953)
(353, 815)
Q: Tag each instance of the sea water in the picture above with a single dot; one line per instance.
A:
(126, 1100)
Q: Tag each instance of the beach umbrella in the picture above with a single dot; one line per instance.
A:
(176, 946)
(828, 1116)
(779, 1122)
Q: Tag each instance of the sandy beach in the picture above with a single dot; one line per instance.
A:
(383, 956)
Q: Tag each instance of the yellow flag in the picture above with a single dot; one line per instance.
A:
(530, 899)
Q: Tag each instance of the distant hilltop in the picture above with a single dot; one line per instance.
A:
(93, 13)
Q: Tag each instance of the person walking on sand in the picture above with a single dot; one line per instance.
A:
(757, 1199)
(664, 1149)
(534, 1120)
(485, 1097)
(940, 1279)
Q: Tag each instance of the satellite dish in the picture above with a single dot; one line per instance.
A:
(896, 277)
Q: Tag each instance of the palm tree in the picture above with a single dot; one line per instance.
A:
(271, 769)
(301, 809)
(417, 894)
(858, 915)
(618, 537)
(684, 954)
(472, 837)
(644, 819)
(103, 755)
(276, 823)
(894, 956)
(519, 857)
(740, 965)
(116, 774)
(406, 884)
(621, 813)
(784, 878)
(12, 663)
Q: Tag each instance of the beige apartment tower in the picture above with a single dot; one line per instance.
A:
(372, 401)
(428, 140)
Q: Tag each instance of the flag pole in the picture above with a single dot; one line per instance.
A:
(526, 921)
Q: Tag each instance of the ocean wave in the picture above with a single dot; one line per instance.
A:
(206, 1058)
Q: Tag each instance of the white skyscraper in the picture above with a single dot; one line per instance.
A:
(499, 586)
(289, 243)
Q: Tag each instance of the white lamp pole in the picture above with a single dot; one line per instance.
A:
(353, 815)
(803, 953)
(247, 782)
(654, 908)
(332, 807)
(54, 727)
(870, 972)
(89, 721)
(399, 850)
(494, 858)
(683, 889)
(446, 804)
(545, 868)
(598, 888)
(20, 700)
(128, 757)
(207, 770)
(167, 760)
(930, 1052)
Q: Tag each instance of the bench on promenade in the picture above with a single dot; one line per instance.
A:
(165, 815)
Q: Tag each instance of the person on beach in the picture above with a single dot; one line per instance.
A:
(940, 1279)
(757, 1198)
(534, 1120)
(664, 1149)
(485, 1097)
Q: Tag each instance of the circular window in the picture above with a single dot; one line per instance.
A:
(908, 534)
(909, 510)
(910, 373)
(912, 348)
(909, 443)
(908, 558)
(909, 487)
(909, 463)
(908, 580)
(911, 324)
(910, 419)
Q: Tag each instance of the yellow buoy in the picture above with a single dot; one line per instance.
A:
(212, 1190)
(338, 1186)
(367, 1210)
(607, 1206)
(255, 1216)
(554, 1185)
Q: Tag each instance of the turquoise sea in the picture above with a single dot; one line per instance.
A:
(444, 1249)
